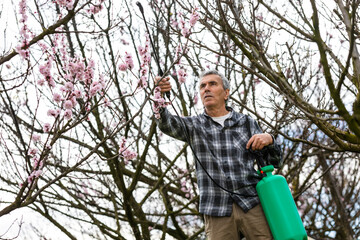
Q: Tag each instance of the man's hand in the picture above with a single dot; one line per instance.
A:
(164, 84)
(259, 141)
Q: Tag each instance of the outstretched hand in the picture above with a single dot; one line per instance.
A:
(259, 141)
(164, 84)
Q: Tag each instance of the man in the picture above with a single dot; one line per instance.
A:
(221, 143)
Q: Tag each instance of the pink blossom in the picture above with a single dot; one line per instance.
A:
(37, 173)
(69, 86)
(57, 97)
(182, 23)
(77, 93)
(143, 71)
(22, 52)
(128, 155)
(123, 67)
(89, 73)
(129, 60)
(65, 3)
(182, 75)
(145, 61)
(260, 17)
(53, 112)
(36, 138)
(95, 9)
(41, 82)
(24, 32)
(185, 32)
(142, 50)
(194, 17)
(178, 52)
(146, 58)
(33, 175)
(37, 162)
(76, 70)
(107, 102)
(102, 81)
(68, 104)
(73, 101)
(95, 88)
(51, 82)
(68, 114)
(142, 82)
(91, 63)
(45, 70)
(174, 23)
(32, 151)
(125, 152)
(46, 127)
(159, 102)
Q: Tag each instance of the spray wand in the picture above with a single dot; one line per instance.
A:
(160, 72)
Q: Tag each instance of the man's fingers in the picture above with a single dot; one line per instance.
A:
(250, 142)
(163, 83)
(164, 79)
(259, 141)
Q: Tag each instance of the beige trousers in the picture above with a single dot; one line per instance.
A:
(252, 225)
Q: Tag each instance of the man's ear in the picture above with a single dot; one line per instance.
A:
(227, 91)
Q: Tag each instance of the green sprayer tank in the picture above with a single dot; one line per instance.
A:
(279, 207)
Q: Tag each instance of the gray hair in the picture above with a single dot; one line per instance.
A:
(225, 81)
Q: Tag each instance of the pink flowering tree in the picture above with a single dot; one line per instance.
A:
(79, 143)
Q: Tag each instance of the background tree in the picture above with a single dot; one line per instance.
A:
(79, 143)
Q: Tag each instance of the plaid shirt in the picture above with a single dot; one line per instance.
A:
(222, 152)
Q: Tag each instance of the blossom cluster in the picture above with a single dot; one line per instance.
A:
(45, 70)
(125, 152)
(22, 48)
(128, 63)
(186, 27)
(37, 163)
(181, 75)
(158, 102)
(79, 83)
(65, 3)
(96, 8)
(181, 72)
(144, 52)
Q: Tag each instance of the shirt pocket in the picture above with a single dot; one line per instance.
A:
(240, 139)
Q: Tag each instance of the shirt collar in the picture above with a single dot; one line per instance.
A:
(227, 108)
(235, 118)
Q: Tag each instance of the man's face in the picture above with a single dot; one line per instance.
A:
(212, 92)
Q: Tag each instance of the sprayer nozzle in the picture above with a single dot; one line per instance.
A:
(140, 7)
